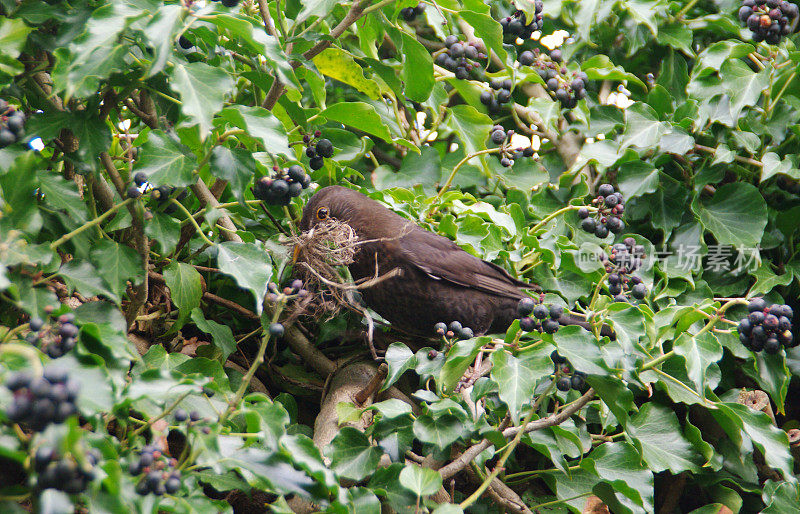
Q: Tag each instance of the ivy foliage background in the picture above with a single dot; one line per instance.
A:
(694, 122)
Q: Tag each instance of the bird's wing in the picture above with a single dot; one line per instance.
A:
(442, 259)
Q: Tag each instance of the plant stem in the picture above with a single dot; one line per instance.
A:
(780, 93)
(192, 220)
(509, 449)
(449, 180)
(163, 414)
(685, 9)
(556, 502)
(551, 216)
(262, 349)
(66, 237)
(708, 326)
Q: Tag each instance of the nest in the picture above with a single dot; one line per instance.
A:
(323, 254)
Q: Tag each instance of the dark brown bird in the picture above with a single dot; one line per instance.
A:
(436, 281)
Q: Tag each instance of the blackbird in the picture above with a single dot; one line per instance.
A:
(435, 280)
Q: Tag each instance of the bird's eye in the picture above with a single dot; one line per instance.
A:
(322, 213)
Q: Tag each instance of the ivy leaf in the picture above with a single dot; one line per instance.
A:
(119, 264)
(736, 215)
(221, 334)
(234, 165)
(261, 124)
(318, 8)
(517, 377)
(163, 229)
(352, 456)
(712, 58)
(744, 86)
(359, 115)
(580, 349)
(160, 33)
(339, 65)
(400, 359)
(441, 432)
(489, 30)
(165, 161)
(459, 357)
(420, 481)
(620, 465)
(737, 419)
(202, 89)
(62, 194)
(13, 34)
(186, 290)
(699, 353)
(473, 127)
(85, 278)
(657, 435)
(250, 267)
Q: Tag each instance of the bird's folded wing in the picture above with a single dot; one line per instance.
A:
(441, 259)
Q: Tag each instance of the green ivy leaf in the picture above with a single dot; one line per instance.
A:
(517, 377)
(657, 435)
(339, 65)
(736, 215)
(186, 290)
(202, 89)
(420, 481)
(83, 277)
(400, 359)
(250, 267)
(165, 161)
(221, 334)
(352, 456)
(118, 263)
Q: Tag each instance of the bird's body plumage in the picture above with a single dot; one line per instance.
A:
(437, 280)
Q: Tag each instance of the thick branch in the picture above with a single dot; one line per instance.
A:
(139, 296)
(206, 197)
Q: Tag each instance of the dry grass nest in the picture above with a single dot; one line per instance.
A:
(323, 253)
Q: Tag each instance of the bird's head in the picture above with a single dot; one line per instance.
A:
(334, 203)
(337, 207)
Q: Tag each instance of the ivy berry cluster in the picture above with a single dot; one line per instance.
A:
(64, 472)
(38, 402)
(538, 317)
(158, 472)
(607, 218)
(515, 26)
(410, 13)
(55, 338)
(459, 57)
(625, 258)
(292, 291)
(317, 150)
(12, 124)
(766, 327)
(499, 94)
(508, 155)
(768, 20)
(453, 330)
(285, 184)
(160, 193)
(569, 379)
